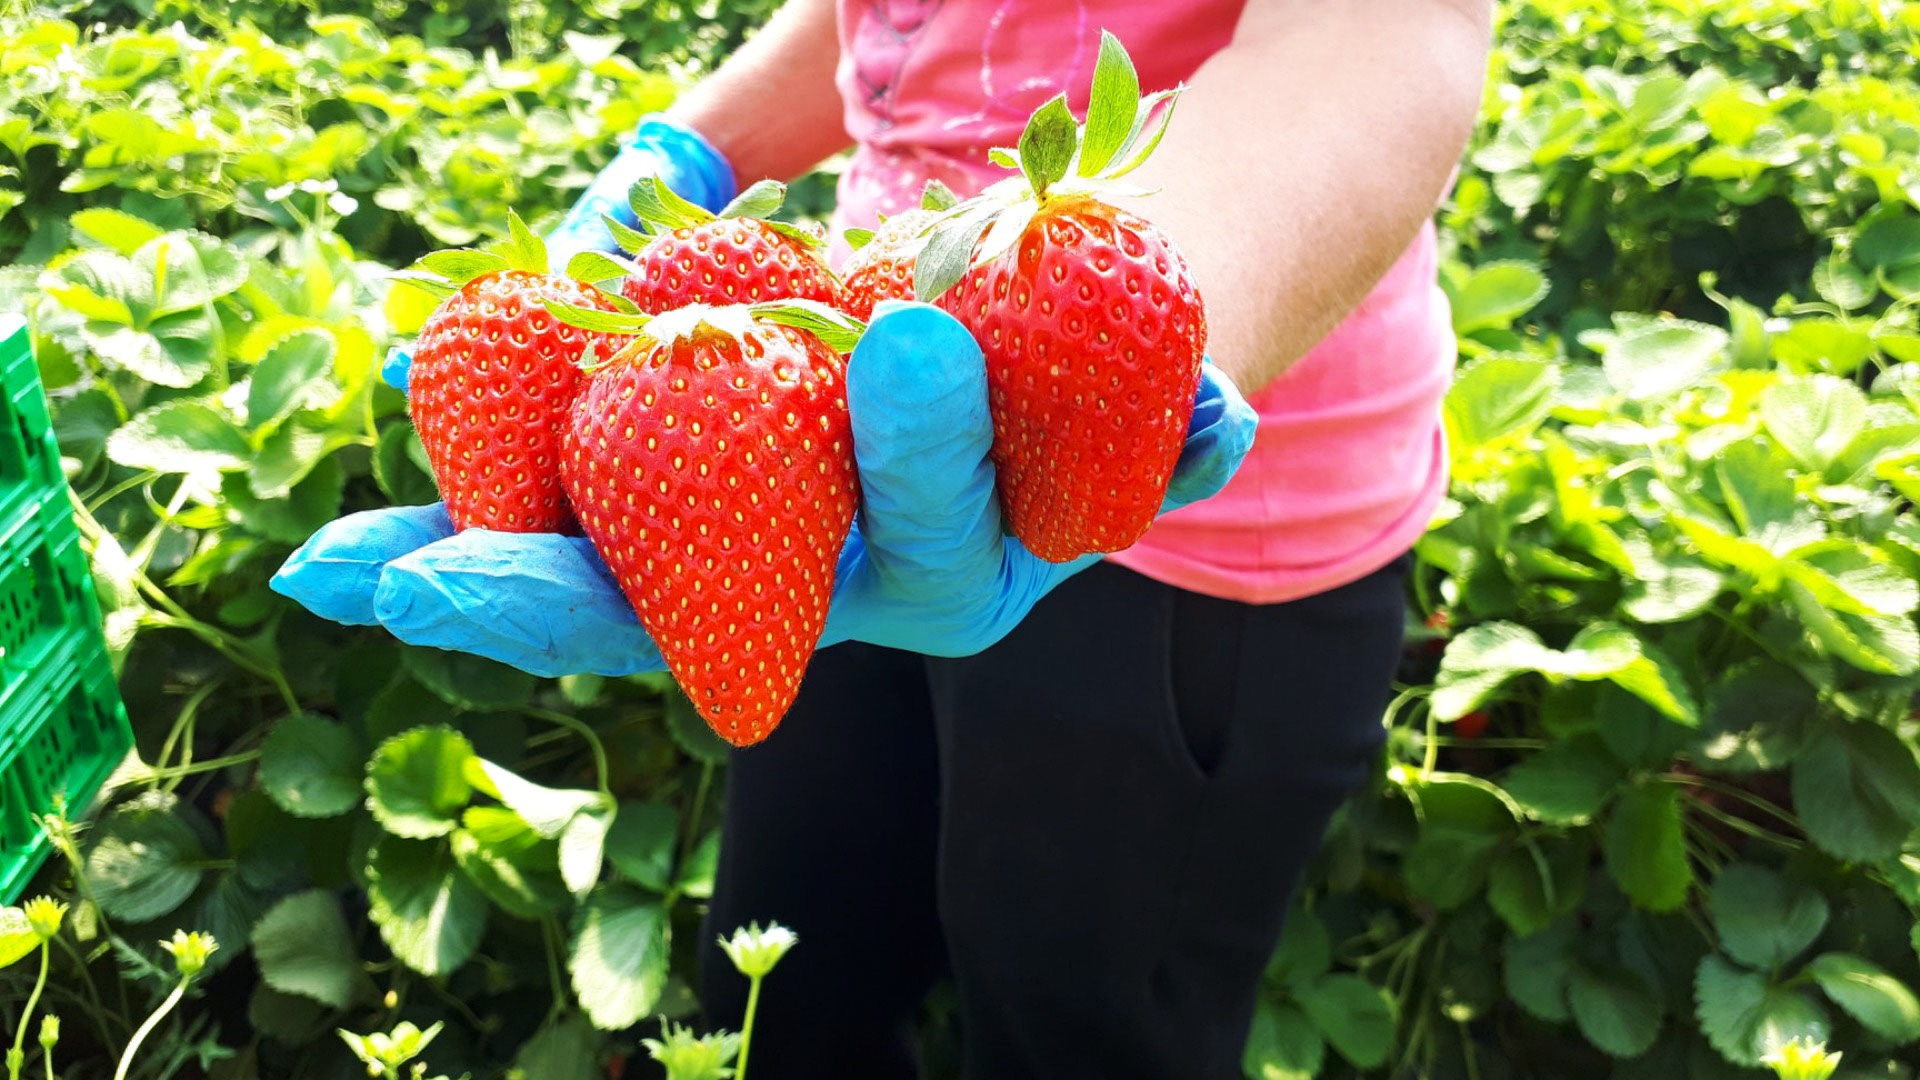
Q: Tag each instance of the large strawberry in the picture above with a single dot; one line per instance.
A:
(1092, 326)
(711, 461)
(735, 257)
(493, 376)
(881, 266)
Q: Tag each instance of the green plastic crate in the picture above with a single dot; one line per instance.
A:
(63, 728)
(29, 458)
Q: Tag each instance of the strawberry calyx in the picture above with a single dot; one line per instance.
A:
(935, 196)
(836, 329)
(441, 273)
(663, 210)
(1057, 157)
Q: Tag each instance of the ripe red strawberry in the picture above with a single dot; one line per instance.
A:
(493, 376)
(712, 465)
(1091, 324)
(737, 257)
(881, 266)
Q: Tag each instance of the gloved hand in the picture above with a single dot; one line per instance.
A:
(659, 147)
(926, 568)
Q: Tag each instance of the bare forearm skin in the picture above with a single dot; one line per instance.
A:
(1303, 159)
(772, 108)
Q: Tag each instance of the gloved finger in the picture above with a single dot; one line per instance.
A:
(335, 573)
(398, 364)
(542, 602)
(681, 159)
(1218, 439)
(917, 395)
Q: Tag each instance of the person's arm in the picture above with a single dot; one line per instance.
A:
(1304, 157)
(771, 108)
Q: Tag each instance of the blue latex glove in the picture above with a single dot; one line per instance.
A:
(926, 568)
(659, 147)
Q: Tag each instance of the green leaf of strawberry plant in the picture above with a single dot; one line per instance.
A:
(461, 265)
(145, 861)
(432, 284)
(469, 681)
(18, 939)
(583, 848)
(566, 1050)
(661, 209)
(1150, 122)
(1871, 995)
(303, 947)
(179, 437)
(595, 266)
(291, 376)
(1536, 969)
(761, 200)
(522, 249)
(938, 197)
(546, 810)
(1110, 106)
(428, 912)
(696, 873)
(630, 240)
(1499, 396)
(1567, 783)
(1888, 645)
(1494, 294)
(1356, 1016)
(1462, 824)
(1813, 416)
(1840, 283)
(513, 865)
(605, 322)
(640, 844)
(1645, 847)
(1478, 661)
(312, 767)
(1856, 788)
(1283, 1044)
(1047, 145)
(619, 955)
(1746, 1018)
(1658, 359)
(949, 250)
(838, 330)
(1615, 1009)
(116, 230)
(1532, 883)
(1305, 951)
(1761, 716)
(417, 782)
(1764, 920)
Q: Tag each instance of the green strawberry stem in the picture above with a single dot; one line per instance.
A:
(1056, 156)
(662, 210)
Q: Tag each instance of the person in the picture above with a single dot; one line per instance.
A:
(1086, 792)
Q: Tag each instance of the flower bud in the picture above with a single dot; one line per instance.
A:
(190, 951)
(45, 914)
(754, 951)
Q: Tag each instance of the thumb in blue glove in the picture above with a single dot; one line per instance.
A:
(929, 567)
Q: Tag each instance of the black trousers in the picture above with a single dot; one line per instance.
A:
(1096, 826)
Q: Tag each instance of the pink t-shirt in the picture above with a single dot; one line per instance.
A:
(1349, 463)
